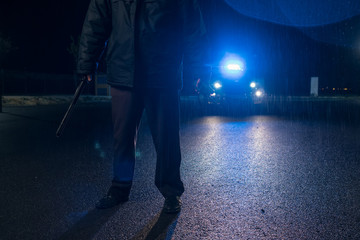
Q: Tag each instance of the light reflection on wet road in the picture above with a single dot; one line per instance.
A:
(246, 177)
(270, 178)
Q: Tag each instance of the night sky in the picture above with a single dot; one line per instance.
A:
(41, 30)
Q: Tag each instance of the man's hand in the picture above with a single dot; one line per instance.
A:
(89, 78)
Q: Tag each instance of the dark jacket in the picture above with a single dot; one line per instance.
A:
(146, 40)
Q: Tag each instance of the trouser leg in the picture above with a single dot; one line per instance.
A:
(127, 109)
(162, 110)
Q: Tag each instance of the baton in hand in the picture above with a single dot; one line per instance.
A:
(64, 121)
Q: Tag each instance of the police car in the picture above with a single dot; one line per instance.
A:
(229, 81)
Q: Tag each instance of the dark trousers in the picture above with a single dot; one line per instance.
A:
(162, 111)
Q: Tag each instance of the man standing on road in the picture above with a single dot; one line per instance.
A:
(146, 43)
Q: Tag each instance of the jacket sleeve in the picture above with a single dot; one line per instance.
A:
(194, 35)
(95, 32)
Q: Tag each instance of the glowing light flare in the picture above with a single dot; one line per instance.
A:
(306, 13)
(217, 85)
(252, 84)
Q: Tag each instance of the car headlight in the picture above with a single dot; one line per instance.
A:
(259, 93)
(217, 85)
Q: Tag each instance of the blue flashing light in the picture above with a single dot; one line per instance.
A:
(232, 66)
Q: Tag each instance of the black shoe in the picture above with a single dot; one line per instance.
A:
(114, 197)
(172, 204)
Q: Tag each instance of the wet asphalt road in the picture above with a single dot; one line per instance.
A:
(248, 175)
